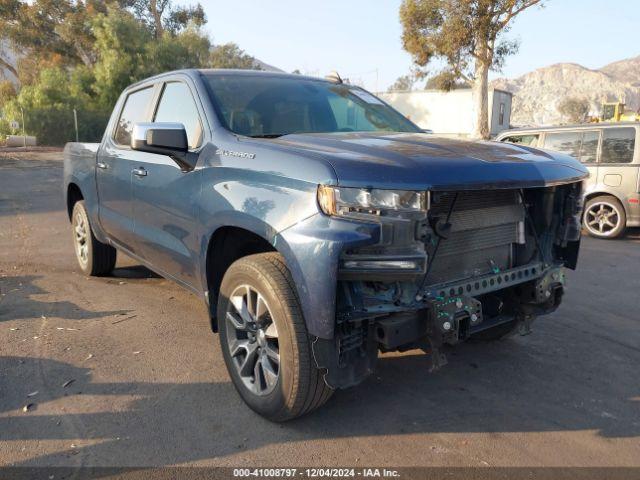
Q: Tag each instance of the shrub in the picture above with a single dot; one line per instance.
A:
(55, 126)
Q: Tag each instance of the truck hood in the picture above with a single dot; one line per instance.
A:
(427, 162)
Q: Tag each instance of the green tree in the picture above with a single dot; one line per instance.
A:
(80, 55)
(48, 106)
(7, 95)
(403, 83)
(57, 89)
(182, 18)
(187, 49)
(160, 16)
(121, 54)
(51, 31)
(126, 53)
(445, 80)
(468, 35)
(230, 55)
(7, 92)
(573, 109)
(61, 32)
(52, 90)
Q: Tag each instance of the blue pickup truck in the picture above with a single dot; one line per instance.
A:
(320, 226)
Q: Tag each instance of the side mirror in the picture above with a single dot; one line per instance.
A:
(165, 139)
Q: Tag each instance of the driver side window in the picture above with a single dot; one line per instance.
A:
(135, 109)
(177, 105)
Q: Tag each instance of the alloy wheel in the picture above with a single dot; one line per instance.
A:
(81, 237)
(252, 339)
(602, 218)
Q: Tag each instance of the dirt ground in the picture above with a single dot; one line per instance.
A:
(124, 371)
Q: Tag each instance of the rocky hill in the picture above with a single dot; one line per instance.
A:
(538, 93)
(625, 70)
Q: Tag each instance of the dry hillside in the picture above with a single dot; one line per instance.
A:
(538, 93)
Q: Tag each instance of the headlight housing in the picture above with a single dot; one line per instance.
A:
(343, 201)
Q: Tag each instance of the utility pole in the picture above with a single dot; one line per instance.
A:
(24, 135)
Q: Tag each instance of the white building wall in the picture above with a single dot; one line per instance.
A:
(499, 111)
(449, 113)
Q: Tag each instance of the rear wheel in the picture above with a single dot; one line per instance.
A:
(604, 217)
(265, 342)
(94, 257)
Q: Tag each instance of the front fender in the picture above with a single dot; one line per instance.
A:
(284, 212)
(260, 203)
(312, 250)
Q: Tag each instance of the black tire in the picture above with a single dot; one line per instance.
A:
(94, 257)
(300, 387)
(498, 332)
(617, 216)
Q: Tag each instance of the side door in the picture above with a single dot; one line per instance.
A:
(165, 212)
(115, 161)
(617, 173)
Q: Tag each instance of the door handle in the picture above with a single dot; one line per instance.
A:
(139, 172)
(102, 165)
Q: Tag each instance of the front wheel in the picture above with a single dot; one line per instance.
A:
(265, 342)
(94, 257)
(604, 217)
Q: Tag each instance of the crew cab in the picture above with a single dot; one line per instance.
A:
(320, 226)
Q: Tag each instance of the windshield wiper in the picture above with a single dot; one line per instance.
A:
(268, 135)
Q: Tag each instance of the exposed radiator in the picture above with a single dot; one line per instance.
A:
(484, 227)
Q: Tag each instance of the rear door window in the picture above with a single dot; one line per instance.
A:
(565, 142)
(135, 110)
(618, 145)
(589, 148)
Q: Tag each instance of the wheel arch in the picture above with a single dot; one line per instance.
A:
(226, 245)
(604, 193)
(73, 195)
(311, 250)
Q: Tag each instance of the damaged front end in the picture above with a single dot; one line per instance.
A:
(447, 265)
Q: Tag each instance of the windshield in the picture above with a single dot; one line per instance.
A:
(271, 106)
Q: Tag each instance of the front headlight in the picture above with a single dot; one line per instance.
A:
(344, 201)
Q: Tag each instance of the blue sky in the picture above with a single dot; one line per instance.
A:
(358, 37)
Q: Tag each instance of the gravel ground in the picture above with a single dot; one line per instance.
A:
(124, 371)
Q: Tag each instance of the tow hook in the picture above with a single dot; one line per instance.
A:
(454, 316)
(549, 286)
(546, 293)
